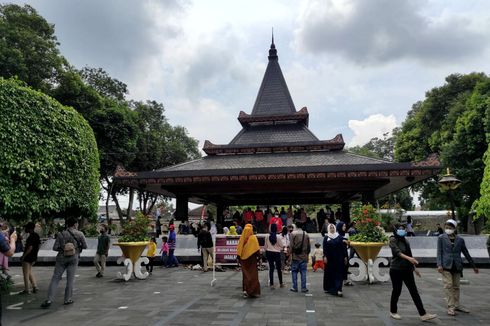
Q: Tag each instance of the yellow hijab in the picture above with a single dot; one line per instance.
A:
(232, 231)
(248, 243)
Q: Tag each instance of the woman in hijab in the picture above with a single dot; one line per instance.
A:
(341, 229)
(232, 231)
(248, 250)
(274, 245)
(226, 230)
(402, 267)
(335, 255)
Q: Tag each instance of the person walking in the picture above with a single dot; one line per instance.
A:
(69, 244)
(334, 257)
(29, 257)
(449, 263)
(402, 268)
(150, 254)
(274, 245)
(205, 244)
(172, 240)
(299, 246)
(103, 243)
(248, 250)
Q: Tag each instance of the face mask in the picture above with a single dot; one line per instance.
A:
(401, 233)
(449, 231)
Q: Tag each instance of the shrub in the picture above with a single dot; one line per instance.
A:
(48, 157)
(368, 224)
(136, 230)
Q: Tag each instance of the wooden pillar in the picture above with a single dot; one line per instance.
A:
(368, 198)
(182, 209)
(220, 208)
(346, 212)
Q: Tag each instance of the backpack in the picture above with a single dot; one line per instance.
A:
(69, 248)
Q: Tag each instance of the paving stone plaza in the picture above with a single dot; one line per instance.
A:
(181, 296)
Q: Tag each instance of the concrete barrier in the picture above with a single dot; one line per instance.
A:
(424, 249)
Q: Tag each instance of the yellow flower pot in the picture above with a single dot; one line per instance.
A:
(132, 250)
(367, 250)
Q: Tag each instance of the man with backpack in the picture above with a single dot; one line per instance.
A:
(69, 244)
(299, 246)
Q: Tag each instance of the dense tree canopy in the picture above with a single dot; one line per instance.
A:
(133, 134)
(451, 121)
(48, 157)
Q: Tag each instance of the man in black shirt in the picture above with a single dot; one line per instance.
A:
(205, 243)
(30, 257)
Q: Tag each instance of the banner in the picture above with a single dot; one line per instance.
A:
(225, 248)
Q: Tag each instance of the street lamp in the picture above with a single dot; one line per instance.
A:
(448, 183)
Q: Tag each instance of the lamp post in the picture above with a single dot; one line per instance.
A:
(448, 183)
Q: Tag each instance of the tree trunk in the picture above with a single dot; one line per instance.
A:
(130, 205)
(108, 219)
(118, 207)
(153, 202)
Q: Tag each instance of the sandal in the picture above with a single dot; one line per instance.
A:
(451, 312)
(68, 302)
(46, 304)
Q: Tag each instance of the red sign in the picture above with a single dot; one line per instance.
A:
(225, 248)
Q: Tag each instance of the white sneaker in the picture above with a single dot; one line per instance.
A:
(395, 316)
(427, 317)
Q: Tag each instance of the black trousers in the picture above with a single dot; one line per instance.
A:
(398, 277)
(149, 266)
(274, 259)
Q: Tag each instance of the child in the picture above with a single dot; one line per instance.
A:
(152, 250)
(164, 250)
(317, 258)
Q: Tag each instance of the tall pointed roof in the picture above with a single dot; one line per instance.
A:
(274, 125)
(273, 97)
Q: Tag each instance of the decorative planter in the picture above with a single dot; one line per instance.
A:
(369, 263)
(132, 259)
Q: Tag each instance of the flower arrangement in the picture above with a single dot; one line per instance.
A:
(368, 224)
(136, 230)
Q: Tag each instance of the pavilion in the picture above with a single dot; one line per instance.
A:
(275, 159)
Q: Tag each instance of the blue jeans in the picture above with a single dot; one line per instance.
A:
(299, 266)
(172, 260)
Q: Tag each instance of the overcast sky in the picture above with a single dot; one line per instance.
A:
(358, 66)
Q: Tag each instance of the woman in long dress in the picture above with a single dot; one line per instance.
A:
(334, 258)
(247, 252)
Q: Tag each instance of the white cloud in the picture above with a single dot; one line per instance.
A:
(373, 126)
(379, 31)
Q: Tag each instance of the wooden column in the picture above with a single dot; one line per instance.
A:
(368, 198)
(346, 212)
(182, 209)
(219, 213)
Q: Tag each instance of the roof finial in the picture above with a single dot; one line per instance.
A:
(273, 51)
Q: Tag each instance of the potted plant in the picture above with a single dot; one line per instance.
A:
(133, 241)
(370, 235)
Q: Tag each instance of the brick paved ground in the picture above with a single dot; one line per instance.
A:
(184, 297)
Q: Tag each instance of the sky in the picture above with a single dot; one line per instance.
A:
(358, 66)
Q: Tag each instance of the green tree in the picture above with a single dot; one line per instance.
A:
(451, 121)
(482, 205)
(48, 157)
(28, 47)
(159, 145)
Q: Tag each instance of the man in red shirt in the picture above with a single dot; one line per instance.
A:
(276, 219)
(248, 216)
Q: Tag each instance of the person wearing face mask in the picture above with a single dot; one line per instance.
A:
(450, 264)
(402, 268)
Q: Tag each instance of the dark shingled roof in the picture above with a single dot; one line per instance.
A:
(279, 133)
(274, 161)
(273, 97)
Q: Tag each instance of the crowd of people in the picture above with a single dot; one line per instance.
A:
(287, 246)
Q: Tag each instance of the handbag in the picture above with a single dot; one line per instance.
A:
(299, 250)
